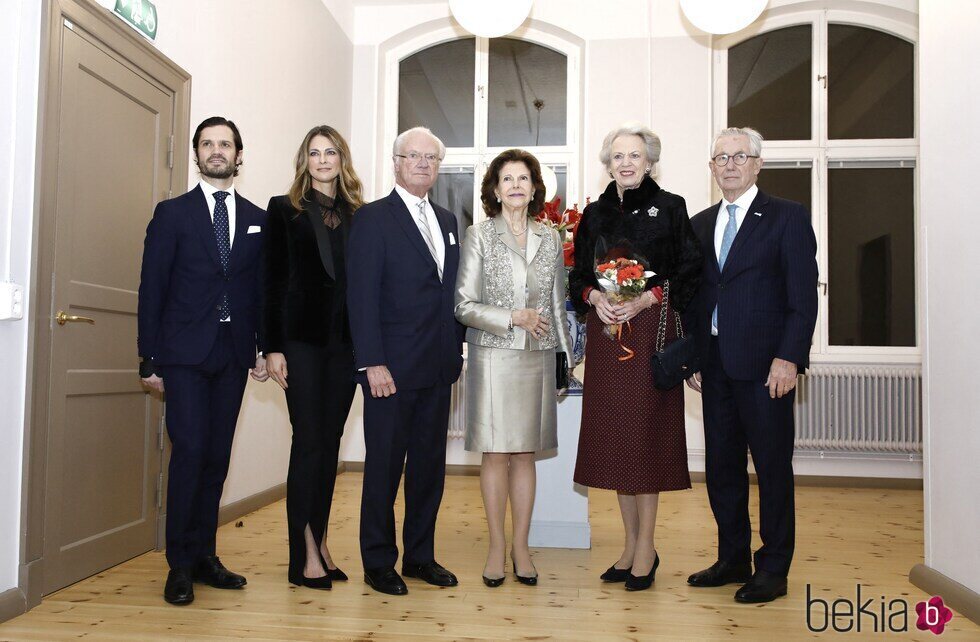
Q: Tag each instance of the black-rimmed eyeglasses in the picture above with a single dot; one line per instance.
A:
(740, 158)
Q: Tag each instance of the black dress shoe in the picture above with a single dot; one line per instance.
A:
(721, 573)
(212, 572)
(763, 587)
(385, 580)
(530, 580)
(180, 588)
(430, 572)
(614, 574)
(336, 575)
(642, 583)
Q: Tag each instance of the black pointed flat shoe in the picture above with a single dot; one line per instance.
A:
(493, 582)
(529, 580)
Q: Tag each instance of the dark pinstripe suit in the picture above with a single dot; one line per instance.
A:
(767, 308)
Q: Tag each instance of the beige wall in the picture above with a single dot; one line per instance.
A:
(949, 274)
(276, 69)
(276, 73)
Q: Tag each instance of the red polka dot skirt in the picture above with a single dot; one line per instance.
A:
(632, 438)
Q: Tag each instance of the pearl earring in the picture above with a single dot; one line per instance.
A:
(498, 198)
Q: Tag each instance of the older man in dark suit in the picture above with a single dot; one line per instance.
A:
(754, 315)
(197, 313)
(402, 261)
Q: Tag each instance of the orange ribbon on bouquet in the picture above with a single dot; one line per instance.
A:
(619, 338)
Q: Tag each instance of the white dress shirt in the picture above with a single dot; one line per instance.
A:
(742, 204)
(412, 203)
(209, 191)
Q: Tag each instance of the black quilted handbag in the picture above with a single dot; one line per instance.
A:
(677, 361)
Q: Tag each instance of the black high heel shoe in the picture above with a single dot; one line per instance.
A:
(614, 574)
(634, 583)
(336, 574)
(324, 583)
(529, 580)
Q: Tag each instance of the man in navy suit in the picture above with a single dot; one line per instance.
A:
(754, 316)
(197, 318)
(403, 254)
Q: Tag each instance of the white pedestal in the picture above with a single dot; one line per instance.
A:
(561, 507)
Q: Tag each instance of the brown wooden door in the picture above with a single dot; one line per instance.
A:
(103, 468)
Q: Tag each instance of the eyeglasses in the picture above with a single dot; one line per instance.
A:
(740, 158)
(415, 157)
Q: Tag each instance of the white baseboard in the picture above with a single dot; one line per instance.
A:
(560, 535)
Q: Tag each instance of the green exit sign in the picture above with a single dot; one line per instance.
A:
(142, 14)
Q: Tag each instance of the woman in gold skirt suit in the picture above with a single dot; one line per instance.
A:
(510, 292)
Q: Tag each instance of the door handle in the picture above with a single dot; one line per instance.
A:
(62, 318)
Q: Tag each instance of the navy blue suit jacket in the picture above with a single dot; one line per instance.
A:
(767, 292)
(181, 282)
(401, 314)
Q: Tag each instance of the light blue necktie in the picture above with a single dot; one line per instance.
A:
(726, 244)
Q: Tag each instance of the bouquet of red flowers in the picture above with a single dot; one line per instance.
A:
(621, 279)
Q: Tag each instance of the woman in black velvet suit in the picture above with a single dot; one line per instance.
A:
(305, 335)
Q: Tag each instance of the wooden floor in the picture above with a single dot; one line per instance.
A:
(844, 537)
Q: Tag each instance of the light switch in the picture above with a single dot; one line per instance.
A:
(11, 301)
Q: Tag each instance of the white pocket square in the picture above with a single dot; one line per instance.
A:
(452, 239)
(254, 229)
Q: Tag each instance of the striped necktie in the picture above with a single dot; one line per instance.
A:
(423, 222)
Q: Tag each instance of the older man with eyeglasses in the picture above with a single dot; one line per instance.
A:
(754, 316)
(401, 267)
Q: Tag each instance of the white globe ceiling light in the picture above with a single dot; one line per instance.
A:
(722, 16)
(550, 183)
(490, 19)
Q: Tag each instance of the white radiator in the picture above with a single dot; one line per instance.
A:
(865, 409)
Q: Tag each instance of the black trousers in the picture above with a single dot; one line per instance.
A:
(319, 396)
(407, 429)
(202, 410)
(740, 414)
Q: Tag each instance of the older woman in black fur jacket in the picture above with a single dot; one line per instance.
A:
(632, 438)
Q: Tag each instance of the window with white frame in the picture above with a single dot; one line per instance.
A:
(834, 96)
(482, 96)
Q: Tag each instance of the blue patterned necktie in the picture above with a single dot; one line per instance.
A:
(726, 244)
(224, 245)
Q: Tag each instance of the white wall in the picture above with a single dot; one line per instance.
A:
(19, 58)
(950, 226)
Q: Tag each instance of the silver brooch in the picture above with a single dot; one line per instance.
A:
(653, 211)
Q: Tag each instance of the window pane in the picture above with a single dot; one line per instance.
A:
(870, 92)
(435, 90)
(769, 83)
(872, 257)
(454, 191)
(528, 94)
(791, 183)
